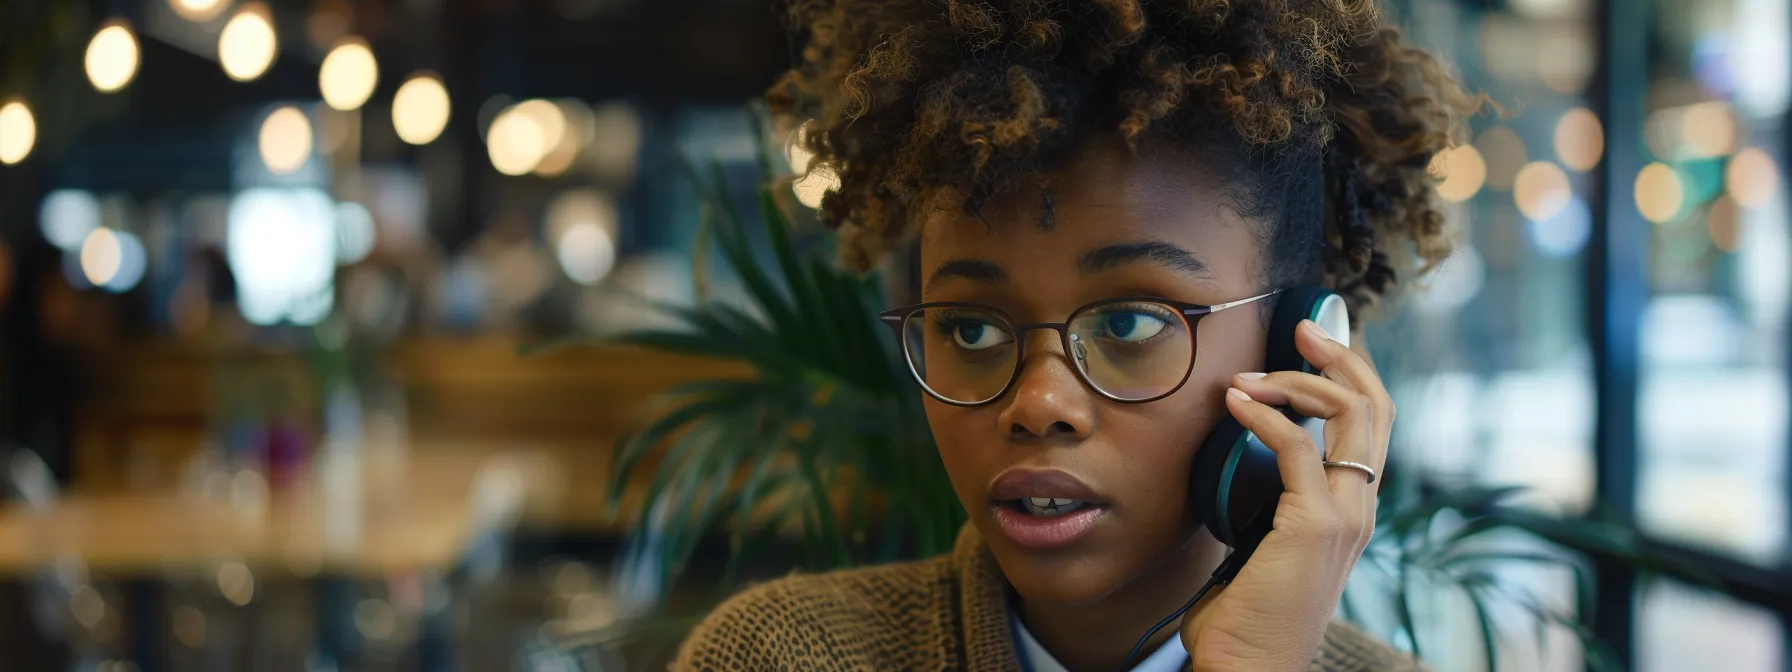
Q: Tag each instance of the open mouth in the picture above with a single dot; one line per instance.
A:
(1045, 507)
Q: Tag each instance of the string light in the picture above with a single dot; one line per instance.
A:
(1580, 139)
(196, 10)
(101, 256)
(515, 142)
(1724, 223)
(247, 44)
(18, 132)
(348, 75)
(420, 109)
(1659, 193)
(1751, 177)
(1463, 170)
(1504, 153)
(1541, 190)
(285, 140)
(1708, 130)
(112, 57)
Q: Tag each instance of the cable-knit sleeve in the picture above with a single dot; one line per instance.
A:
(740, 634)
(1348, 649)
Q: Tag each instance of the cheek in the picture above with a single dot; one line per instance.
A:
(1155, 445)
(957, 434)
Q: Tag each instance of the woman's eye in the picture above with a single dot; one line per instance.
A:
(977, 334)
(1132, 327)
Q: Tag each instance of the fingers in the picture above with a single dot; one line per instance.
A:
(1349, 422)
(1338, 362)
(1296, 456)
(1313, 397)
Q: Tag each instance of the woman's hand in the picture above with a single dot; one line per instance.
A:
(1274, 614)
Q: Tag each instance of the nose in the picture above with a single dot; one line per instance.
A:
(1049, 401)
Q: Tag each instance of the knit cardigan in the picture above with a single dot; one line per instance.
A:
(943, 613)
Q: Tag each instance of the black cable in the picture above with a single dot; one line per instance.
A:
(1222, 575)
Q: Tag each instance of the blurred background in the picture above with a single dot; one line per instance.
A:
(266, 270)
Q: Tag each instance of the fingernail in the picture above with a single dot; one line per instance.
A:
(1252, 375)
(1318, 330)
(1237, 394)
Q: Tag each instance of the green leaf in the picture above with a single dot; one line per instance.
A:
(733, 244)
(1489, 635)
(824, 513)
(802, 288)
(723, 395)
(1403, 605)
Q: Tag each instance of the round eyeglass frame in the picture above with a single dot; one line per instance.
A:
(1191, 313)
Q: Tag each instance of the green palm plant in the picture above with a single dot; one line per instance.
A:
(826, 438)
(831, 410)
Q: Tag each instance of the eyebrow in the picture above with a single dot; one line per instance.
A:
(1164, 254)
(976, 270)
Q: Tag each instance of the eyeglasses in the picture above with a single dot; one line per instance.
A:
(1129, 350)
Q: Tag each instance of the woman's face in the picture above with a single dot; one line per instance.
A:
(1162, 229)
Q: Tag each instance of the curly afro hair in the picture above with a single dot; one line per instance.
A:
(1325, 112)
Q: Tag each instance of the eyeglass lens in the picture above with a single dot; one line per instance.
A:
(1129, 351)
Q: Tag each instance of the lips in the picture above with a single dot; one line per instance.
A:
(1044, 509)
(1017, 484)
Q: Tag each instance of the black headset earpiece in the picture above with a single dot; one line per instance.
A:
(1234, 484)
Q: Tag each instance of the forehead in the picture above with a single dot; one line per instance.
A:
(1104, 196)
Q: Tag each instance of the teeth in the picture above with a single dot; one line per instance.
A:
(1047, 507)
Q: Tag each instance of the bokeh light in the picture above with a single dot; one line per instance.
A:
(516, 141)
(66, 216)
(246, 47)
(1659, 193)
(101, 256)
(236, 583)
(1565, 234)
(616, 131)
(1504, 153)
(281, 247)
(18, 132)
(579, 206)
(349, 74)
(574, 120)
(1565, 58)
(1462, 170)
(113, 260)
(550, 122)
(586, 252)
(197, 10)
(811, 187)
(355, 233)
(1580, 140)
(1456, 281)
(420, 109)
(189, 626)
(112, 57)
(1724, 222)
(795, 153)
(375, 619)
(1541, 190)
(1708, 130)
(285, 140)
(1752, 178)
(133, 261)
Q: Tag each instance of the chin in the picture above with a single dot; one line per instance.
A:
(1078, 575)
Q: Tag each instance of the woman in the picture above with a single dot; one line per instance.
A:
(1053, 154)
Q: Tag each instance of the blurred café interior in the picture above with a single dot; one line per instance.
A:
(274, 274)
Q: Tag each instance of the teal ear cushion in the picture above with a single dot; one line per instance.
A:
(1235, 483)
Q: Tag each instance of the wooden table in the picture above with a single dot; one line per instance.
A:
(417, 512)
